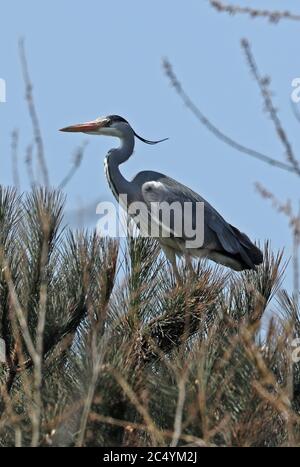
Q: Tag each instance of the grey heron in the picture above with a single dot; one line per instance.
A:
(223, 243)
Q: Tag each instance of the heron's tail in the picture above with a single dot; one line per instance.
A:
(250, 254)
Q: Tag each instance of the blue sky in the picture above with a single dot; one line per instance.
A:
(98, 57)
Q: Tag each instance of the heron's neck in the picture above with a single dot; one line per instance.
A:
(116, 157)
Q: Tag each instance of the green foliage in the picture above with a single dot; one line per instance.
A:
(104, 348)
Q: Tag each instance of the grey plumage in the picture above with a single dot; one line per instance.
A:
(223, 243)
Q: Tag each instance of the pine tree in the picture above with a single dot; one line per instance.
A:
(104, 348)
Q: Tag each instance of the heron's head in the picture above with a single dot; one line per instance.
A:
(112, 125)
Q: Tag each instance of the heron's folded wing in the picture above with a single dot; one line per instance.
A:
(218, 233)
(166, 192)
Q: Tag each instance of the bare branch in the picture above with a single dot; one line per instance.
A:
(179, 409)
(14, 158)
(296, 111)
(20, 314)
(214, 130)
(272, 16)
(28, 162)
(284, 208)
(38, 366)
(33, 115)
(97, 363)
(263, 83)
(294, 224)
(129, 426)
(132, 396)
(78, 156)
(296, 244)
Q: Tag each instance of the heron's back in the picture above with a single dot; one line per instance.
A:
(223, 242)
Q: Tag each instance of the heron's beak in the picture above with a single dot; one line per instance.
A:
(86, 127)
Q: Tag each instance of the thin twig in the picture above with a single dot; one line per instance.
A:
(153, 429)
(97, 363)
(37, 370)
(179, 408)
(78, 156)
(296, 244)
(14, 159)
(129, 426)
(294, 224)
(272, 16)
(296, 111)
(29, 166)
(263, 84)
(18, 308)
(33, 115)
(214, 130)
